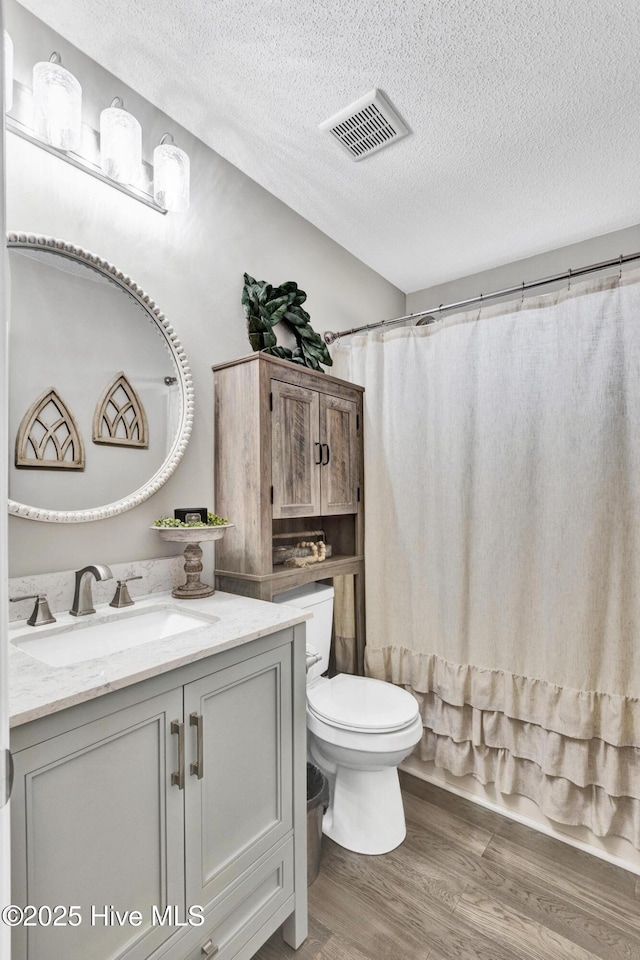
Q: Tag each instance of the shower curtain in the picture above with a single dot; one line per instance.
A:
(502, 466)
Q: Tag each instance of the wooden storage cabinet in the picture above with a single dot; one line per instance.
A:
(98, 818)
(288, 458)
(314, 455)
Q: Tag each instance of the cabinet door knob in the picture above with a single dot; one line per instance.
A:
(208, 950)
(177, 778)
(197, 766)
(319, 460)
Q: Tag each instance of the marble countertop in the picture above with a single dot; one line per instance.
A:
(37, 689)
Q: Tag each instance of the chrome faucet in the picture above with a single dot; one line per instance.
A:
(82, 598)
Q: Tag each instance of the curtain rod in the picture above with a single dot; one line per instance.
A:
(330, 337)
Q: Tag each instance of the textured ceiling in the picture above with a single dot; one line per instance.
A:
(524, 113)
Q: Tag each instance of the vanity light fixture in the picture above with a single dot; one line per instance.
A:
(170, 175)
(8, 72)
(57, 104)
(50, 117)
(120, 143)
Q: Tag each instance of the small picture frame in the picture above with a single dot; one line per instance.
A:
(191, 514)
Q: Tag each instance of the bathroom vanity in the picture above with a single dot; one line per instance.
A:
(159, 799)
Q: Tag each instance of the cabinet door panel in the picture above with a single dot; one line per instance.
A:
(242, 805)
(295, 451)
(95, 822)
(339, 477)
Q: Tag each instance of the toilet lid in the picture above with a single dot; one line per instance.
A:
(360, 703)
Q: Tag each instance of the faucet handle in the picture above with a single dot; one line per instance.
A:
(41, 613)
(121, 597)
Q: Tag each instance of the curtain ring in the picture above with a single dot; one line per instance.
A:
(620, 271)
(440, 309)
(522, 297)
(569, 284)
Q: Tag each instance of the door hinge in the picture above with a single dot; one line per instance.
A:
(271, 494)
(357, 421)
(7, 779)
(271, 401)
(358, 494)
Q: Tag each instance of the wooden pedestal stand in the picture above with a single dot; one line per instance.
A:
(192, 537)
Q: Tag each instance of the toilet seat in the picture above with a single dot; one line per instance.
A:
(361, 704)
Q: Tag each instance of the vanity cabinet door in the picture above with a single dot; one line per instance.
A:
(97, 823)
(238, 804)
(295, 450)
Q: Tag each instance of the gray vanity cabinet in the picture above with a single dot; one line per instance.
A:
(96, 822)
(101, 816)
(242, 804)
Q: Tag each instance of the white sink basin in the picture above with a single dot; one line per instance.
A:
(90, 638)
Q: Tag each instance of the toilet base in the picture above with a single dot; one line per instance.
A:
(366, 813)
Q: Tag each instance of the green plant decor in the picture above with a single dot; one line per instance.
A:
(213, 520)
(265, 306)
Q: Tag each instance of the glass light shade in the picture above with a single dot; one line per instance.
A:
(120, 145)
(8, 72)
(57, 106)
(171, 177)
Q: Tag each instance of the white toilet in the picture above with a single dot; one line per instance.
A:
(359, 730)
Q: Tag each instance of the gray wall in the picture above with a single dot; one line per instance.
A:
(543, 265)
(191, 264)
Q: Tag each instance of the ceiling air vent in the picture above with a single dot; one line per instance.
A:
(365, 126)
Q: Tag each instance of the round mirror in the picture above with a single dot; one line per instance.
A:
(100, 392)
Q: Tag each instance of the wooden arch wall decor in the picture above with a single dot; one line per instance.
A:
(48, 436)
(120, 417)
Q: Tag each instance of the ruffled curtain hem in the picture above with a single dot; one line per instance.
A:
(574, 753)
(580, 714)
(584, 762)
(557, 798)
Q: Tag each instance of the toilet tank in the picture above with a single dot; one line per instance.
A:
(318, 598)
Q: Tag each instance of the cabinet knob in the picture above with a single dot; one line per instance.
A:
(208, 950)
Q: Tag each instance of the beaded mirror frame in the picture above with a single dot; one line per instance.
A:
(17, 241)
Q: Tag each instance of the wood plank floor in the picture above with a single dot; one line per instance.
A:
(467, 884)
